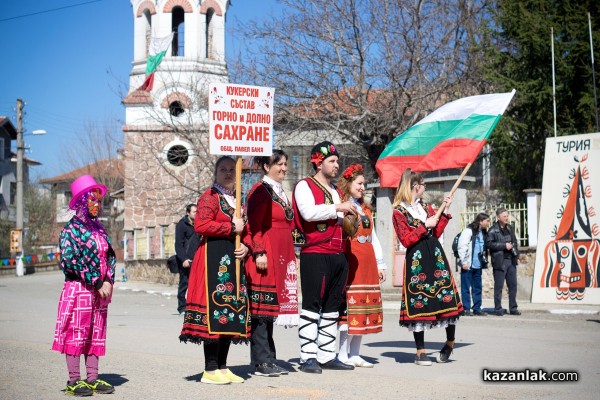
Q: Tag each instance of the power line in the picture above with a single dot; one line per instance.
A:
(51, 10)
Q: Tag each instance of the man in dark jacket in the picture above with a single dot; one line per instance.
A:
(502, 243)
(186, 244)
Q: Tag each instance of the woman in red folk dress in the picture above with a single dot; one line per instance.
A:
(362, 311)
(429, 295)
(271, 272)
(216, 312)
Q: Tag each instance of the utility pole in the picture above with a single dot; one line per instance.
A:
(20, 270)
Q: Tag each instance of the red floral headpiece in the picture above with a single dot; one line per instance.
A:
(352, 171)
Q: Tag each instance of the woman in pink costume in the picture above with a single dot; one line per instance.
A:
(88, 261)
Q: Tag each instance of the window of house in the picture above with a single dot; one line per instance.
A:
(177, 22)
(2, 149)
(67, 198)
(209, 33)
(13, 192)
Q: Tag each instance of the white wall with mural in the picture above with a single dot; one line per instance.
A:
(567, 268)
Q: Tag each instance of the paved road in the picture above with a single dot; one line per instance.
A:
(146, 361)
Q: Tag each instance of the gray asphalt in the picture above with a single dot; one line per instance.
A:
(145, 359)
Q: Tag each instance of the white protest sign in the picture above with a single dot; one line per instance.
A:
(241, 119)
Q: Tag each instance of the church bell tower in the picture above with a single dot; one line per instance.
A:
(180, 46)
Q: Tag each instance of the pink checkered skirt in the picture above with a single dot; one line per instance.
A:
(81, 322)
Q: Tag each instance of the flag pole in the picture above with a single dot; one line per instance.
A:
(238, 214)
(593, 70)
(458, 181)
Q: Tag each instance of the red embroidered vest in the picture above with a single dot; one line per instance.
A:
(325, 237)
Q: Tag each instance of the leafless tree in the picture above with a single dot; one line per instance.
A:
(96, 151)
(177, 112)
(365, 70)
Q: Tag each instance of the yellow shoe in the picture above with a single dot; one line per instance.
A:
(233, 378)
(216, 378)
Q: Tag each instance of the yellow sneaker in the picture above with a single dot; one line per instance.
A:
(215, 378)
(233, 378)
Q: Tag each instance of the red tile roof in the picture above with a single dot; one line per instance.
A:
(109, 167)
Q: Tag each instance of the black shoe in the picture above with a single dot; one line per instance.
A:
(498, 313)
(336, 364)
(79, 389)
(280, 371)
(480, 313)
(422, 359)
(100, 386)
(265, 369)
(467, 313)
(515, 312)
(444, 354)
(311, 366)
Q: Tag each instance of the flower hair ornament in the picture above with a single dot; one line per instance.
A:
(317, 158)
(321, 151)
(352, 171)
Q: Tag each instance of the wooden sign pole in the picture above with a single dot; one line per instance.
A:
(238, 214)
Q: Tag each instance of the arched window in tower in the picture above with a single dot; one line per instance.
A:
(177, 22)
(209, 32)
(176, 108)
(147, 21)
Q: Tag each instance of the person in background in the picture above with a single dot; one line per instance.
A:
(362, 311)
(271, 271)
(88, 261)
(429, 295)
(216, 312)
(186, 244)
(503, 245)
(318, 211)
(472, 259)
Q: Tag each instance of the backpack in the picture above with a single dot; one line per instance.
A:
(455, 245)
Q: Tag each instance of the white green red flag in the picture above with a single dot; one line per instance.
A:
(450, 137)
(156, 52)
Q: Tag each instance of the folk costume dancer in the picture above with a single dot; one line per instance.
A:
(362, 311)
(429, 295)
(216, 313)
(272, 270)
(318, 210)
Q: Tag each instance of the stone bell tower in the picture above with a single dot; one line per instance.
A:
(166, 126)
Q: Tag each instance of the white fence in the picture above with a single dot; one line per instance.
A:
(518, 219)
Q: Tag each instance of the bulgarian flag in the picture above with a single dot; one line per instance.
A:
(450, 137)
(156, 52)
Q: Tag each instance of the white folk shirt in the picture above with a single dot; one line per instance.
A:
(310, 211)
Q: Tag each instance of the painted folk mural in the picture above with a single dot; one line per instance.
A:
(567, 269)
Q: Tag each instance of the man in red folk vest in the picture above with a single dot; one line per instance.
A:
(318, 213)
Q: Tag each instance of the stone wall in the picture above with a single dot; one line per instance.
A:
(150, 271)
(524, 277)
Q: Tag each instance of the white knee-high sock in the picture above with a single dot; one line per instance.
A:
(326, 337)
(307, 333)
(355, 341)
(343, 354)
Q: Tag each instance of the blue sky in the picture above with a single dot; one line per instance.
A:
(67, 65)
